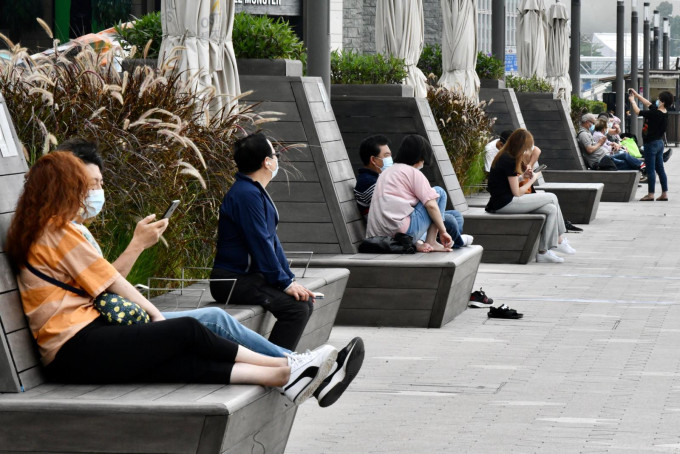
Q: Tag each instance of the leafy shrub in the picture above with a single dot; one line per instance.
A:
(531, 84)
(154, 139)
(264, 37)
(465, 129)
(147, 27)
(430, 62)
(580, 107)
(350, 67)
(489, 67)
(110, 12)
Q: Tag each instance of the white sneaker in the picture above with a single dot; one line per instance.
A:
(548, 257)
(565, 248)
(467, 239)
(307, 371)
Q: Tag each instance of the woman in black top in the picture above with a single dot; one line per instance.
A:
(656, 121)
(508, 197)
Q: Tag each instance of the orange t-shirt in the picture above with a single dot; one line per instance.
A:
(55, 315)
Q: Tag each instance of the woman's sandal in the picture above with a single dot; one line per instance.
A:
(662, 199)
(504, 312)
(647, 198)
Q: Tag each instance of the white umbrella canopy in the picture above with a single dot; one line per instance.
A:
(531, 39)
(400, 32)
(557, 54)
(459, 47)
(204, 29)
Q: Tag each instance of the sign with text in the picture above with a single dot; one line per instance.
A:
(270, 7)
(510, 63)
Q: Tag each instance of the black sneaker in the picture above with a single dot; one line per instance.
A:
(571, 227)
(346, 367)
(667, 155)
(479, 299)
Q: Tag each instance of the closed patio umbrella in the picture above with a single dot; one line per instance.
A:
(531, 39)
(557, 54)
(459, 47)
(400, 32)
(204, 28)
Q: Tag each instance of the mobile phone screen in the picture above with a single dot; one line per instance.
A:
(171, 209)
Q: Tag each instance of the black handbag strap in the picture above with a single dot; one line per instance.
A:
(58, 283)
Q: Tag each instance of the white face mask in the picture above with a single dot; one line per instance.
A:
(420, 167)
(276, 170)
(94, 202)
(387, 162)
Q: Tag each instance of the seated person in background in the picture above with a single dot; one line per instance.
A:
(217, 320)
(508, 197)
(374, 151)
(404, 202)
(621, 158)
(376, 156)
(595, 156)
(63, 279)
(492, 148)
(613, 126)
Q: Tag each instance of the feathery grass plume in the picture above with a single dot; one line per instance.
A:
(145, 54)
(45, 27)
(91, 100)
(465, 132)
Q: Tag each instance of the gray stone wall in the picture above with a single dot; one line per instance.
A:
(359, 24)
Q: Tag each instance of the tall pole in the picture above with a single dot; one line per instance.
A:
(317, 24)
(575, 53)
(620, 55)
(666, 44)
(655, 45)
(498, 29)
(645, 51)
(634, 60)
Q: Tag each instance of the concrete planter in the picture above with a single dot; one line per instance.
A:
(130, 64)
(391, 90)
(492, 83)
(266, 67)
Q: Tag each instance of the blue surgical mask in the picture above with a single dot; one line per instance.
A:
(276, 170)
(657, 103)
(94, 202)
(387, 162)
(592, 128)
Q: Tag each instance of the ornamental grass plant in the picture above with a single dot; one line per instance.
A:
(155, 134)
(465, 129)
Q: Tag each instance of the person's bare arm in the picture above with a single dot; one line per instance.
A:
(147, 233)
(123, 288)
(436, 217)
(519, 191)
(594, 147)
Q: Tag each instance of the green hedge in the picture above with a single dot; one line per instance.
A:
(350, 67)
(528, 84)
(580, 107)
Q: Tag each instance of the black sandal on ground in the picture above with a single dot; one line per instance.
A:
(504, 312)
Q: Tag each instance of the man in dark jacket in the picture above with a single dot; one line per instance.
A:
(249, 250)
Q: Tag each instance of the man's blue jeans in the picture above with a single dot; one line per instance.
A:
(420, 220)
(624, 161)
(224, 325)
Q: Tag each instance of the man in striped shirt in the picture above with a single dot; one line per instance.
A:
(376, 155)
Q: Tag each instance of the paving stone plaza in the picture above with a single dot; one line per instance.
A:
(593, 366)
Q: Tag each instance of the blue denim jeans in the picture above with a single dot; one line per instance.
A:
(654, 162)
(224, 325)
(420, 218)
(624, 161)
(453, 221)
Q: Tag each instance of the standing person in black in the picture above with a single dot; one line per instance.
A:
(656, 121)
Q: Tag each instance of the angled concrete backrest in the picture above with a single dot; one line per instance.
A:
(504, 108)
(19, 362)
(549, 121)
(314, 190)
(392, 111)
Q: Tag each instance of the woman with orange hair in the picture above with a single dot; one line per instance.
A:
(508, 197)
(62, 278)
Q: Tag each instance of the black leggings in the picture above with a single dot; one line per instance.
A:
(178, 350)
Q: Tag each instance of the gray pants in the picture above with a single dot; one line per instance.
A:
(543, 203)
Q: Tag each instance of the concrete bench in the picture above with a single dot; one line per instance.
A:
(619, 186)
(579, 201)
(417, 290)
(38, 416)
